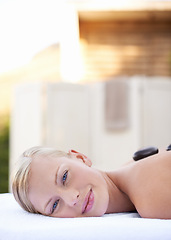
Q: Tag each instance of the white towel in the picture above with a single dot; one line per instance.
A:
(117, 100)
(16, 224)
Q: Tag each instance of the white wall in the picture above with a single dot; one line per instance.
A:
(111, 149)
(26, 119)
(69, 116)
(157, 112)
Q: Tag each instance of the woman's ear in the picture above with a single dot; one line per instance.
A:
(81, 156)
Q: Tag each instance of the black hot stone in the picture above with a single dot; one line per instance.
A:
(169, 148)
(145, 152)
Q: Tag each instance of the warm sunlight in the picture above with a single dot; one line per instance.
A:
(26, 28)
(31, 26)
(71, 62)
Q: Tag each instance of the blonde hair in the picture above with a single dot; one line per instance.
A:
(20, 176)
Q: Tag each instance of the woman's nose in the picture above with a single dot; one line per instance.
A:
(71, 197)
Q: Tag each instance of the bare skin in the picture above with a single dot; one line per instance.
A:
(147, 183)
(144, 186)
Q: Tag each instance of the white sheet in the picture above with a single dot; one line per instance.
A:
(16, 224)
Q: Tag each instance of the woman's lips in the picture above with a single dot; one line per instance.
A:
(88, 202)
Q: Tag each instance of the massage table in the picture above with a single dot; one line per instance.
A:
(17, 224)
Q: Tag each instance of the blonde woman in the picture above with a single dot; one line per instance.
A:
(60, 184)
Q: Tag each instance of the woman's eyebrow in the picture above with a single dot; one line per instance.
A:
(56, 175)
(46, 206)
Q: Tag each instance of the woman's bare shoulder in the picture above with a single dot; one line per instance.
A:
(149, 187)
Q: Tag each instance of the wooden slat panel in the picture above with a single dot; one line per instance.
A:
(121, 48)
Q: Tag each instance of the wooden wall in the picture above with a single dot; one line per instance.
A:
(112, 48)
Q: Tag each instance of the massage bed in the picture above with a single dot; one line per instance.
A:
(17, 224)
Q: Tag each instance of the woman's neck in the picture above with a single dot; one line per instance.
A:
(118, 200)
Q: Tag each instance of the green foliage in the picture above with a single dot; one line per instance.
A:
(4, 155)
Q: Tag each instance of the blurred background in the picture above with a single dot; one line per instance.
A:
(94, 75)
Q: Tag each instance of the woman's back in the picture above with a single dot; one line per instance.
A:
(148, 185)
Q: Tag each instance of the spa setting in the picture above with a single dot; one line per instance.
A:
(101, 92)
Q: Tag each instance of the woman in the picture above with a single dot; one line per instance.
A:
(60, 184)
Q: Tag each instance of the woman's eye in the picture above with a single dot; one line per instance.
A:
(54, 206)
(64, 178)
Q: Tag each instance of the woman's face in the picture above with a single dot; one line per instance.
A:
(67, 187)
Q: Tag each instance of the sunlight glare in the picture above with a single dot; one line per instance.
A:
(26, 28)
